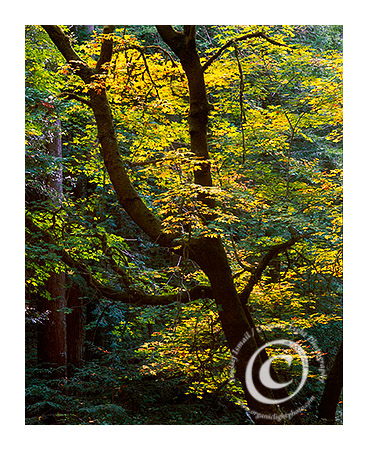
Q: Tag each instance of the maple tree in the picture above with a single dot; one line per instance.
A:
(226, 157)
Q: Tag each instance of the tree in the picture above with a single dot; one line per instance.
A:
(52, 334)
(207, 252)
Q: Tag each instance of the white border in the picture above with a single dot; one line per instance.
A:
(352, 16)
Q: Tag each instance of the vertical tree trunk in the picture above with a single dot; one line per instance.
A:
(52, 337)
(75, 328)
(332, 391)
(211, 256)
(184, 46)
(52, 347)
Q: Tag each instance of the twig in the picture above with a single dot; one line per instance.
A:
(264, 262)
(241, 38)
(72, 96)
(246, 269)
(241, 91)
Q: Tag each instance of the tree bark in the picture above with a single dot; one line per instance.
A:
(184, 46)
(332, 391)
(75, 328)
(210, 254)
(52, 347)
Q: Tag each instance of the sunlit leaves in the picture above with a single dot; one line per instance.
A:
(192, 346)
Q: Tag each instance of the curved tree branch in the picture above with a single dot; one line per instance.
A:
(129, 296)
(245, 37)
(64, 45)
(72, 96)
(263, 264)
(127, 196)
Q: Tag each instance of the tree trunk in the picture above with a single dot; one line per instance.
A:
(52, 348)
(75, 328)
(184, 46)
(332, 391)
(211, 257)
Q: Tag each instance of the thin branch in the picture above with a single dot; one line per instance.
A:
(130, 296)
(260, 34)
(241, 92)
(238, 260)
(163, 51)
(142, 50)
(309, 261)
(264, 262)
(148, 70)
(227, 45)
(293, 132)
(72, 96)
(150, 161)
(290, 124)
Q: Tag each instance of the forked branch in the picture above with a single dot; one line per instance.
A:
(264, 262)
